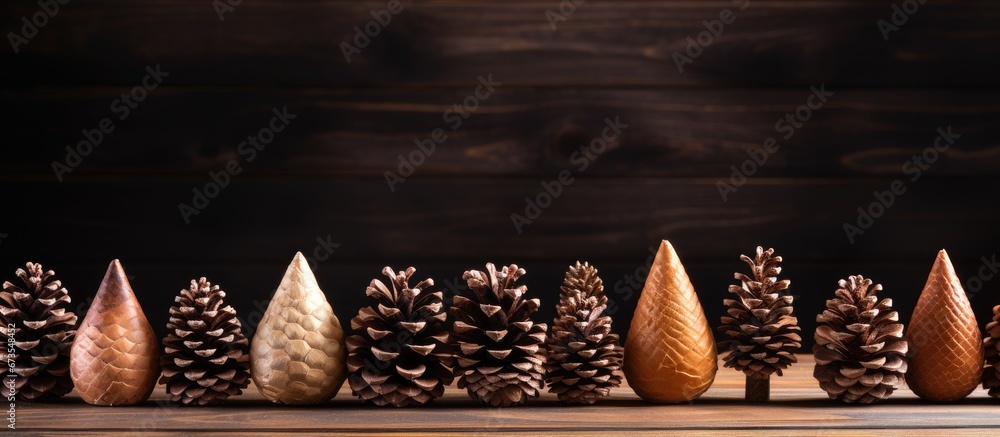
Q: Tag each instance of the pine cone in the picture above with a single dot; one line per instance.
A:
(400, 352)
(860, 350)
(43, 331)
(500, 355)
(584, 356)
(206, 358)
(991, 374)
(762, 335)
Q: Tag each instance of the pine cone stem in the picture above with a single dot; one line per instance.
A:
(760, 334)
(758, 389)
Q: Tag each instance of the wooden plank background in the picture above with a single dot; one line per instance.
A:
(323, 176)
(608, 43)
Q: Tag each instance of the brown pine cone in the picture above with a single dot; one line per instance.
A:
(43, 332)
(860, 350)
(399, 353)
(499, 351)
(206, 357)
(584, 356)
(762, 333)
(991, 374)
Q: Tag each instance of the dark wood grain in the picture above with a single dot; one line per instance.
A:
(459, 219)
(797, 407)
(515, 132)
(450, 43)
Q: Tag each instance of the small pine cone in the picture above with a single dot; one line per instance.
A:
(991, 374)
(860, 350)
(399, 353)
(762, 335)
(205, 355)
(584, 356)
(43, 334)
(499, 351)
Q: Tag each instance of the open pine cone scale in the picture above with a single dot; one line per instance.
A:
(399, 354)
(499, 353)
(43, 331)
(860, 351)
(761, 333)
(206, 356)
(584, 356)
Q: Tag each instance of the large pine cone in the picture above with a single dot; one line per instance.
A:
(43, 334)
(860, 350)
(206, 357)
(400, 352)
(991, 374)
(584, 356)
(500, 354)
(762, 335)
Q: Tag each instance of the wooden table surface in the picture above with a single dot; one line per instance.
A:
(797, 407)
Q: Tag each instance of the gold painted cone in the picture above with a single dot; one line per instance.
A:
(670, 353)
(946, 348)
(115, 358)
(298, 354)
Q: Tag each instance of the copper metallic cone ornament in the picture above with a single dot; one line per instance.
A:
(946, 348)
(115, 358)
(670, 353)
(298, 354)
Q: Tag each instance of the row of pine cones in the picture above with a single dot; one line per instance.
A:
(860, 349)
(401, 352)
